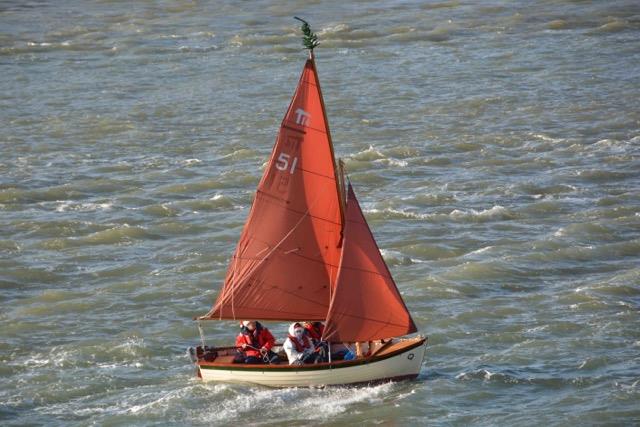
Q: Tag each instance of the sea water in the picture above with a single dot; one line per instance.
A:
(494, 145)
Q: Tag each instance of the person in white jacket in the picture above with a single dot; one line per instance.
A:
(298, 346)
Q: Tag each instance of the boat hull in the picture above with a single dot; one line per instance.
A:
(401, 363)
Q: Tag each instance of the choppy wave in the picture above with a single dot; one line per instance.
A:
(494, 147)
(237, 403)
(514, 378)
(64, 206)
(303, 403)
(457, 215)
(496, 212)
(118, 235)
(489, 270)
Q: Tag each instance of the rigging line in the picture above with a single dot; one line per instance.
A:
(309, 82)
(332, 178)
(284, 125)
(310, 128)
(231, 291)
(302, 169)
(377, 331)
(316, 173)
(268, 198)
(312, 301)
(364, 270)
(287, 315)
(309, 258)
(331, 280)
(231, 274)
(233, 310)
(225, 292)
(369, 319)
(252, 270)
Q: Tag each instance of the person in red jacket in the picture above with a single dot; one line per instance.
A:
(254, 344)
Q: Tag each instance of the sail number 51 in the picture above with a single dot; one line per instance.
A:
(282, 164)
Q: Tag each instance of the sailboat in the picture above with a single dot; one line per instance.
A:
(306, 253)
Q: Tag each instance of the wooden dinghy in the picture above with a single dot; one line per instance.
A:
(398, 359)
(306, 253)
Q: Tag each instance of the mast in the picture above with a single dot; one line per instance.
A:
(343, 191)
(333, 155)
(310, 41)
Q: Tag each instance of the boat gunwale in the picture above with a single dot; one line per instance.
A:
(309, 367)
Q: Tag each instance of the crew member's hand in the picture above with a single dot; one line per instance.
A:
(244, 346)
(263, 350)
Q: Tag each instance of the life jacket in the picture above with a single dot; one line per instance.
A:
(260, 337)
(300, 347)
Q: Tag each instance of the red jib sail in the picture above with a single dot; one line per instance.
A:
(286, 261)
(366, 304)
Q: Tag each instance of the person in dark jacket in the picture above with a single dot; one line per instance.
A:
(314, 331)
(254, 343)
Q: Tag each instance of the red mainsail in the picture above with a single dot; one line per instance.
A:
(286, 262)
(366, 304)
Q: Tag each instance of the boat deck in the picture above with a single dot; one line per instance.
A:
(379, 350)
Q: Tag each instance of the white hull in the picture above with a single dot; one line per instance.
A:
(402, 364)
